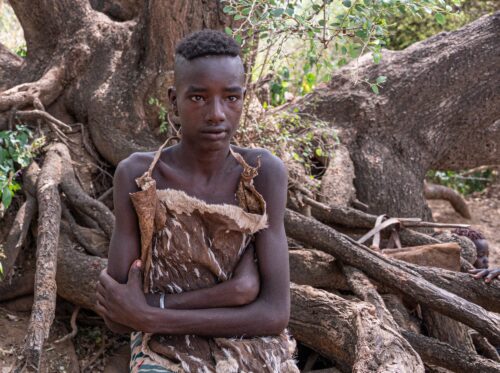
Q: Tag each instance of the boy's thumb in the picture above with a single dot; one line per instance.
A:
(135, 272)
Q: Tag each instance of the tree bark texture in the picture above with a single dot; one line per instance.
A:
(44, 304)
(418, 122)
(391, 273)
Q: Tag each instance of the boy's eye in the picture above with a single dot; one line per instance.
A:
(196, 98)
(233, 98)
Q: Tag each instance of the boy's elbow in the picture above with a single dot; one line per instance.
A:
(277, 321)
(246, 291)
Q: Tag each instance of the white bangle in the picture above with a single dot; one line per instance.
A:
(162, 300)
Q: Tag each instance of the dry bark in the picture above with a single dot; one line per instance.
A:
(43, 310)
(394, 138)
(316, 268)
(364, 289)
(347, 331)
(18, 284)
(394, 274)
(442, 354)
(484, 347)
(91, 207)
(433, 191)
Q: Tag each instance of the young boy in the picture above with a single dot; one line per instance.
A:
(483, 253)
(197, 300)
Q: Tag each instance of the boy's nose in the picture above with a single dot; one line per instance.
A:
(216, 113)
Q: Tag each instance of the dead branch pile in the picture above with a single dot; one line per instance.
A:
(363, 308)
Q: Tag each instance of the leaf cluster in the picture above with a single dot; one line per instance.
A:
(17, 149)
(476, 182)
(312, 38)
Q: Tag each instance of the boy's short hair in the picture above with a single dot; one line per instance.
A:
(469, 233)
(207, 42)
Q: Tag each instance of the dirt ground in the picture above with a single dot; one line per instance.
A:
(485, 211)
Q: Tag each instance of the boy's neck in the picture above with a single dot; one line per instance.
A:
(206, 163)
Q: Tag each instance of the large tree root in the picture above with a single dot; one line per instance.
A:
(433, 191)
(81, 200)
(43, 310)
(392, 274)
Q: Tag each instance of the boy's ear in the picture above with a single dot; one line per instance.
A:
(172, 97)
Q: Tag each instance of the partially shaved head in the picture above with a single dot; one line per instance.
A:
(202, 45)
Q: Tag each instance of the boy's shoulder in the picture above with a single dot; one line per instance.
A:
(267, 159)
(272, 170)
(134, 165)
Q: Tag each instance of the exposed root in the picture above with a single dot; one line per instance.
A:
(433, 191)
(88, 238)
(44, 303)
(22, 221)
(74, 327)
(46, 89)
(81, 200)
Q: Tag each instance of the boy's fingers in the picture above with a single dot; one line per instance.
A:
(481, 274)
(135, 272)
(475, 270)
(104, 279)
(101, 300)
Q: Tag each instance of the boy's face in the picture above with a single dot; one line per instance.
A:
(208, 99)
(483, 253)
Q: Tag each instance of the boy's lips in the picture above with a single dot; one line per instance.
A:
(214, 133)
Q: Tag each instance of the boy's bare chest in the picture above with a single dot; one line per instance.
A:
(218, 190)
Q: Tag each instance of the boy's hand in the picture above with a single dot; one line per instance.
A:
(122, 303)
(487, 274)
(246, 276)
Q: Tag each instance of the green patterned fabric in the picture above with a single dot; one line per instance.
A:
(139, 362)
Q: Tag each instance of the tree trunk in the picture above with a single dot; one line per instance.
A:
(418, 122)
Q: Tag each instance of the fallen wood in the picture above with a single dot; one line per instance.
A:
(462, 284)
(316, 268)
(484, 347)
(442, 354)
(42, 314)
(434, 191)
(443, 255)
(347, 332)
(364, 289)
(393, 274)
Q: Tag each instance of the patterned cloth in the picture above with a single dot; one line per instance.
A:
(187, 244)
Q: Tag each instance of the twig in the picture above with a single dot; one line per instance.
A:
(74, 327)
(99, 352)
(103, 196)
(35, 114)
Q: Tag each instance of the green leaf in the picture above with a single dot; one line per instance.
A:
(228, 31)
(381, 79)
(377, 57)
(347, 3)
(318, 152)
(374, 88)
(6, 198)
(440, 18)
